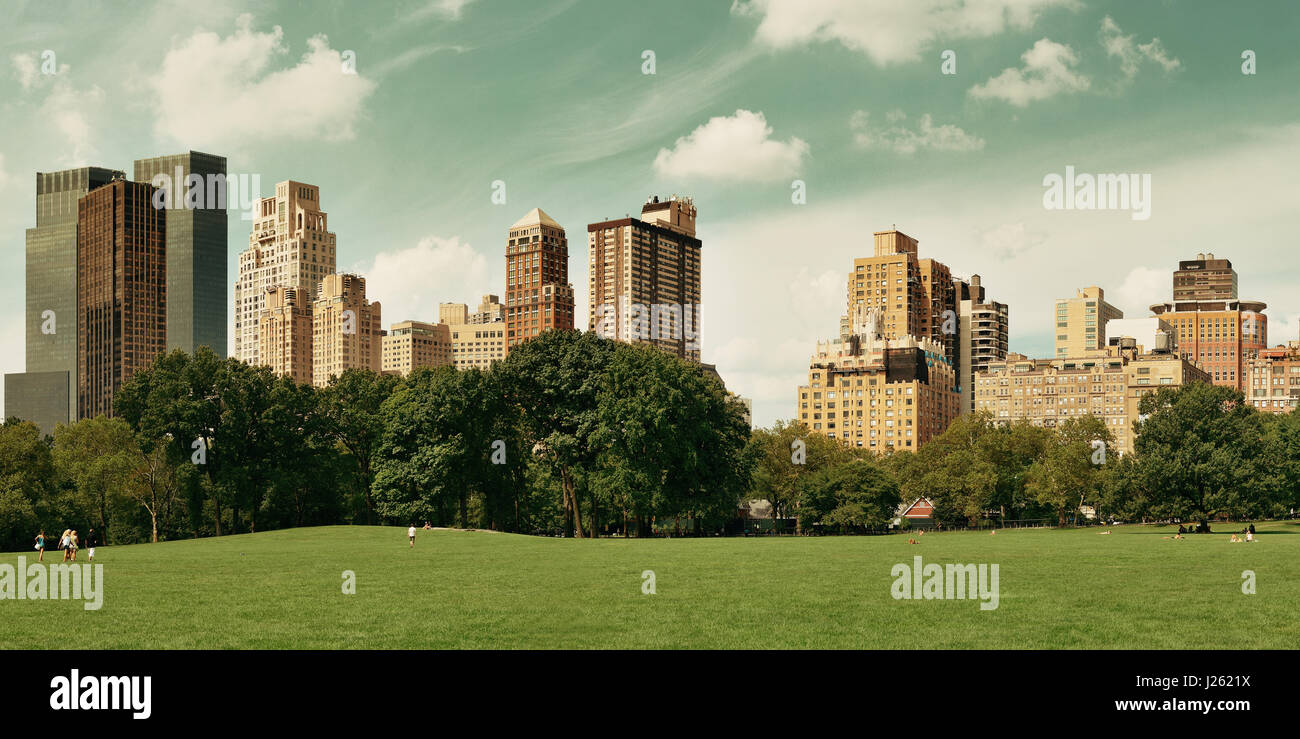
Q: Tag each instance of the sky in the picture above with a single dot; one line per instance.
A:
(942, 118)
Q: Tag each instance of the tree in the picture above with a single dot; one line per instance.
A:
(97, 456)
(352, 403)
(782, 457)
(1068, 474)
(1201, 452)
(855, 495)
(553, 379)
(155, 483)
(953, 470)
(27, 473)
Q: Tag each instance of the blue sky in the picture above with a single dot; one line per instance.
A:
(746, 97)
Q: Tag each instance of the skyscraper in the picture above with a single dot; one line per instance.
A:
(121, 290)
(196, 249)
(1211, 326)
(983, 328)
(346, 331)
(1081, 322)
(290, 246)
(538, 293)
(645, 277)
(285, 333)
(46, 392)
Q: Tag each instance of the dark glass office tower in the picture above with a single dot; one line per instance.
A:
(121, 290)
(45, 393)
(196, 251)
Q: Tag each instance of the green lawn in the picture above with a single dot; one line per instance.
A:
(1058, 589)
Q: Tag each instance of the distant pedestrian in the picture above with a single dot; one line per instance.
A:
(72, 545)
(411, 533)
(64, 541)
(91, 541)
(40, 546)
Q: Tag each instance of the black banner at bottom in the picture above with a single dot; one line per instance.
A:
(295, 689)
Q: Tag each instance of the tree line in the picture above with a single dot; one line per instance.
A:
(577, 435)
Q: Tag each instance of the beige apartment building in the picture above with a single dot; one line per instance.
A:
(290, 246)
(1273, 379)
(878, 393)
(477, 339)
(285, 333)
(1081, 322)
(411, 345)
(983, 330)
(644, 281)
(346, 329)
(1105, 383)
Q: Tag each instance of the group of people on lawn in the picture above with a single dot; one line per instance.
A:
(69, 542)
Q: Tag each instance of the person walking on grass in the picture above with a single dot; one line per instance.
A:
(91, 541)
(72, 544)
(40, 545)
(64, 540)
(411, 534)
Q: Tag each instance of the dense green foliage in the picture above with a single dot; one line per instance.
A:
(580, 436)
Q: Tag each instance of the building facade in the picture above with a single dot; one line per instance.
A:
(1273, 379)
(196, 249)
(290, 246)
(982, 336)
(878, 393)
(1081, 322)
(1104, 383)
(1212, 326)
(411, 345)
(121, 290)
(538, 294)
(285, 333)
(477, 339)
(1205, 278)
(644, 281)
(50, 335)
(346, 332)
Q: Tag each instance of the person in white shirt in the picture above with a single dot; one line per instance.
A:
(411, 533)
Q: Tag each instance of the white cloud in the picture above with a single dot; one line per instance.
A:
(450, 9)
(1048, 71)
(1132, 54)
(897, 137)
(71, 110)
(1142, 287)
(738, 147)
(891, 32)
(25, 70)
(215, 91)
(410, 283)
(1009, 240)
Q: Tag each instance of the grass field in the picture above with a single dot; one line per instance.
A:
(1058, 589)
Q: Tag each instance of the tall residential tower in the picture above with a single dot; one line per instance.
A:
(290, 246)
(538, 293)
(645, 277)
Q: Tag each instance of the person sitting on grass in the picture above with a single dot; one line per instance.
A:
(1250, 536)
